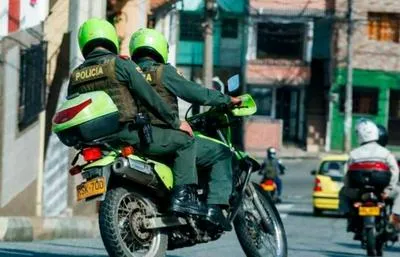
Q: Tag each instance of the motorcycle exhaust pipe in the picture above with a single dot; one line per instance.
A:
(136, 171)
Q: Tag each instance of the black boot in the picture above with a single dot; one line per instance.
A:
(184, 200)
(216, 217)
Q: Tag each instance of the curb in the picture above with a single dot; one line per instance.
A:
(40, 228)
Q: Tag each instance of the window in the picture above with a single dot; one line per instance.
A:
(229, 28)
(394, 106)
(333, 168)
(32, 84)
(365, 100)
(190, 27)
(276, 40)
(384, 27)
(263, 98)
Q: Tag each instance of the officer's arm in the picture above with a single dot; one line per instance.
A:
(146, 93)
(190, 91)
(394, 169)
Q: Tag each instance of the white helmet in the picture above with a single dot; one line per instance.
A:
(366, 131)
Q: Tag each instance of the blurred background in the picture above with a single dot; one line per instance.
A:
(294, 58)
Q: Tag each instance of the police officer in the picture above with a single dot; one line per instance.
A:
(122, 80)
(149, 49)
(370, 149)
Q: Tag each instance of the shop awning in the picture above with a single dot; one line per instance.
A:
(278, 73)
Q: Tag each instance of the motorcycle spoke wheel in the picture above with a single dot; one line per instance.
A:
(121, 219)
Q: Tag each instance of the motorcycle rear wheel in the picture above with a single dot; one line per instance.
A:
(371, 241)
(254, 231)
(120, 217)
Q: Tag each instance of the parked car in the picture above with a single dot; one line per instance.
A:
(328, 182)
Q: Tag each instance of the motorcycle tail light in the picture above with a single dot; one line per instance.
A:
(70, 113)
(91, 153)
(317, 186)
(368, 204)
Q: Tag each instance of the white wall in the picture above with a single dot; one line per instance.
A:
(3, 18)
(21, 157)
(32, 15)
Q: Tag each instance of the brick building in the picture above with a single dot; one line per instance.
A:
(376, 62)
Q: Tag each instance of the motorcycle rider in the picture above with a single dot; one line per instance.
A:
(369, 149)
(121, 78)
(149, 49)
(271, 168)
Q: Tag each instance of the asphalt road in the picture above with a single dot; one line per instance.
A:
(308, 236)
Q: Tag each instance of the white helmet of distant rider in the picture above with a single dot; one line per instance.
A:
(367, 131)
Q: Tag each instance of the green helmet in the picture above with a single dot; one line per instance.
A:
(150, 41)
(97, 32)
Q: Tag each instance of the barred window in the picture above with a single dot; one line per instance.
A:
(190, 27)
(32, 84)
(384, 27)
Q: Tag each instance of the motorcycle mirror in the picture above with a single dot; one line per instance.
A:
(233, 83)
(218, 85)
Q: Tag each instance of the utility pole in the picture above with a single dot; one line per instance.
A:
(209, 11)
(349, 85)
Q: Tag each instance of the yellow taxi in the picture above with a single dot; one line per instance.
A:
(327, 183)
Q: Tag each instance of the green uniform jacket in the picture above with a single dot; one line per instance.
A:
(128, 72)
(186, 89)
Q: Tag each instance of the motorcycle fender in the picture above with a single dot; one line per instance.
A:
(369, 222)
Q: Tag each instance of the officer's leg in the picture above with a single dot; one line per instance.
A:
(169, 142)
(219, 158)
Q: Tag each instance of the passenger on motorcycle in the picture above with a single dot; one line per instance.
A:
(370, 149)
(121, 78)
(271, 168)
(149, 49)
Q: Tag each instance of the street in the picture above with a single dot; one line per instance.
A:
(308, 236)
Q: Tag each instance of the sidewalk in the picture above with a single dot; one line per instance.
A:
(47, 228)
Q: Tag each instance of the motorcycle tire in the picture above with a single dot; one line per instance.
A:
(120, 233)
(246, 232)
(371, 241)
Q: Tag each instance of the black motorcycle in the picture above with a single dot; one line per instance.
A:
(371, 211)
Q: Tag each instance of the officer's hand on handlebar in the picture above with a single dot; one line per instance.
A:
(236, 101)
(185, 127)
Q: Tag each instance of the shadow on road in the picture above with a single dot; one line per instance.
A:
(326, 252)
(393, 249)
(310, 214)
(24, 253)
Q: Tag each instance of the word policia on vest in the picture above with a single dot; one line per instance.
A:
(89, 72)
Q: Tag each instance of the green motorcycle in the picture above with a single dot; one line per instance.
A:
(134, 190)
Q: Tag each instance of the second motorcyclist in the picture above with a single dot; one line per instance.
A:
(370, 150)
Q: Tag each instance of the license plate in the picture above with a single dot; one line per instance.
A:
(369, 211)
(91, 188)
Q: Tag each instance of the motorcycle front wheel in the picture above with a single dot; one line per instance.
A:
(258, 226)
(121, 216)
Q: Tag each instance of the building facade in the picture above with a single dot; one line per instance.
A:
(288, 60)
(376, 74)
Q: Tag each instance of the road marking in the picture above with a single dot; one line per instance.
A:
(283, 215)
(284, 207)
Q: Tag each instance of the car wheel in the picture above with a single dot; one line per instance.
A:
(317, 212)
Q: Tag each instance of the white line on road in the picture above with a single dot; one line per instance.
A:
(284, 207)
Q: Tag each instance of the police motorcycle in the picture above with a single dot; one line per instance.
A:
(372, 212)
(133, 190)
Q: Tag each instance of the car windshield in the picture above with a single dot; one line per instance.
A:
(333, 168)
